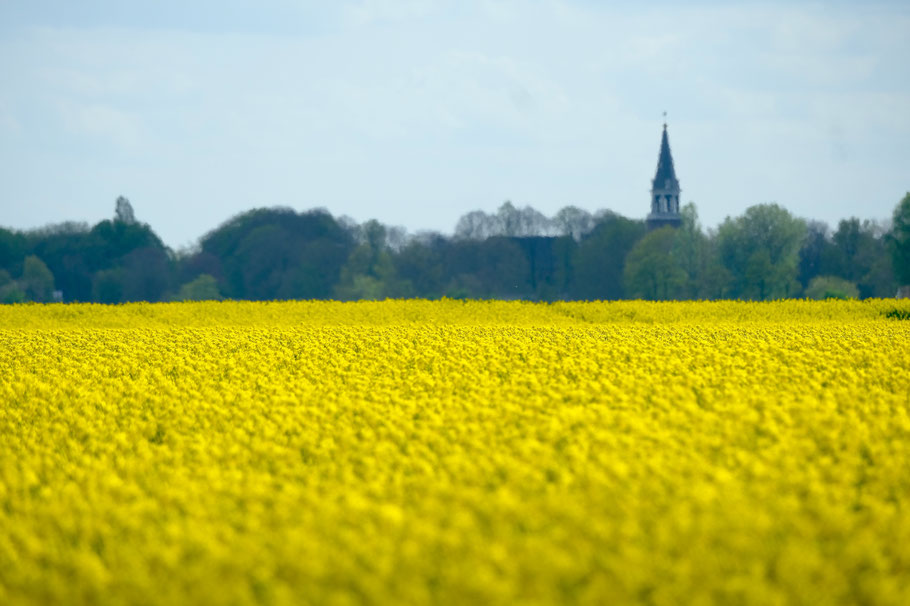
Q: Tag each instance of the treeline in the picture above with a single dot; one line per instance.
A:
(515, 253)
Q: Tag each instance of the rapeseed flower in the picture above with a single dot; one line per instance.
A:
(407, 452)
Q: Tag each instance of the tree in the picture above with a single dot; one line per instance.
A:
(761, 251)
(71, 253)
(855, 252)
(37, 280)
(10, 292)
(573, 221)
(652, 271)
(202, 288)
(816, 255)
(549, 265)
(131, 261)
(508, 221)
(492, 268)
(860, 256)
(116, 238)
(521, 223)
(600, 257)
(693, 253)
(715, 280)
(422, 263)
(271, 253)
(476, 225)
(107, 286)
(13, 248)
(369, 272)
(146, 274)
(900, 241)
(123, 211)
(192, 264)
(831, 287)
(259, 263)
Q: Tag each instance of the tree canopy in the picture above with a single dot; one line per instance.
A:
(512, 253)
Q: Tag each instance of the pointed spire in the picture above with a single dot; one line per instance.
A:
(664, 188)
(665, 168)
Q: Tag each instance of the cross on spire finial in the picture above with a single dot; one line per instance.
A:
(665, 119)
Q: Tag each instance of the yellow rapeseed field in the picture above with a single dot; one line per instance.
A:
(410, 452)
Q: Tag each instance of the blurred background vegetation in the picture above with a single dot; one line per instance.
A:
(514, 253)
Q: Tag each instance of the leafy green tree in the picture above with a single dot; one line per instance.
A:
(861, 256)
(545, 271)
(502, 269)
(549, 265)
(421, 262)
(202, 288)
(849, 242)
(715, 281)
(194, 263)
(491, 268)
(526, 267)
(261, 260)
(370, 272)
(900, 241)
(271, 253)
(107, 286)
(599, 260)
(856, 252)
(652, 271)
(760, 250)
(146, 274)
(695, 253)
(37, 280)
(113, 240)
(72, 255)
(816, 255)
(10, 292)
(831, 287)
(370, 275)
(13, 249)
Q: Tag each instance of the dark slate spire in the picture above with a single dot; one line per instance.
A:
(664, 189)
(665, 169)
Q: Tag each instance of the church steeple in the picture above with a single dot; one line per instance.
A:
(664, 189)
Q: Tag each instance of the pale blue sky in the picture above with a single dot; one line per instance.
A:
(416, 112)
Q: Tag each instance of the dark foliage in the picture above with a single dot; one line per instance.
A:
(898, 314)
(276, 253)
(600, 258)
(515, 253)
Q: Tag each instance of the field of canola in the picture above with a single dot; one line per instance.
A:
(445, 452)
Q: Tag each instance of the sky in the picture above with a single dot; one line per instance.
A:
(415, 112)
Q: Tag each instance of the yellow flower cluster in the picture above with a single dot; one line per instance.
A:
(410, 452)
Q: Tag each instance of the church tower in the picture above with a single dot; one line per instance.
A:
(664, 190)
